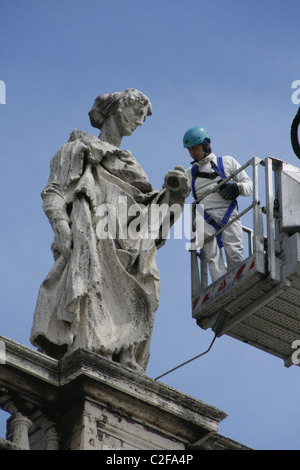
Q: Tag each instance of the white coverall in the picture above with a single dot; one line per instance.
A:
(216, 206)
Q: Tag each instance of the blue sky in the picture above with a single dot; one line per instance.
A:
(224, 64)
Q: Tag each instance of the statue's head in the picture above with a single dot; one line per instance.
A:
(129, 108)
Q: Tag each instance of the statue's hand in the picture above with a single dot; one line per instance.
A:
(177, 180)
(63, 238)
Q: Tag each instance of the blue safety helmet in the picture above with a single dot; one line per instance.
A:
(195, 136)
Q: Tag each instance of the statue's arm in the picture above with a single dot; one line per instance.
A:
(176, 189)
(66, 168)
(55, 207)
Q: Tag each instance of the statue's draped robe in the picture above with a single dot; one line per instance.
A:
(104, 298)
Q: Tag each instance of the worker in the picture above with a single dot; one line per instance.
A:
(216, 207)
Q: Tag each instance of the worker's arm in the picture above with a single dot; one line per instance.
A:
(244, 183)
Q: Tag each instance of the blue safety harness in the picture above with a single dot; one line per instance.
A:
(219, 169)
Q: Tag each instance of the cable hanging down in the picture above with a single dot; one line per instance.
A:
(217, 328)
(190, 360)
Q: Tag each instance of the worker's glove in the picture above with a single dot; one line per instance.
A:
(229, 190)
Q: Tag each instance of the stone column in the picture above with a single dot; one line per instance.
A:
(51, 439)
(21, 425)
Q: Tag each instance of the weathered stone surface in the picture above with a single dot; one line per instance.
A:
(103, 290)
(7, 445)
(134, 398)
(85, 401)
(218, 442)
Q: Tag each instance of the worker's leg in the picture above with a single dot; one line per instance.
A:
(214, 256)
(232, 239)
(212, 252)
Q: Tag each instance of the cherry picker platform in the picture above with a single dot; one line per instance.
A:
(261, 296)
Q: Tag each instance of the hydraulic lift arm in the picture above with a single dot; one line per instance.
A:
(294, 134)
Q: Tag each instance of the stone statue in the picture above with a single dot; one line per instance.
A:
(103, 290)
